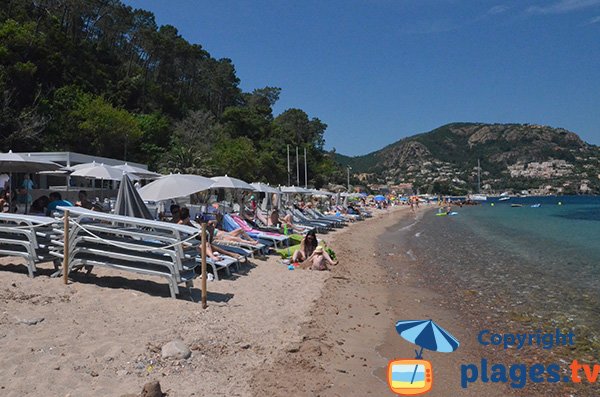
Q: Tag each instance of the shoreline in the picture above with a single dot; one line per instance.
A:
(351, 335)
(267, 331)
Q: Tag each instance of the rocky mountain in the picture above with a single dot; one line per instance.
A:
(513, 157)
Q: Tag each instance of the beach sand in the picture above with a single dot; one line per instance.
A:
(351, 336)
(267, 332)
(102, 336)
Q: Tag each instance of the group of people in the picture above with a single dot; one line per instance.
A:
(181, 216)
(45, 205)
(311, 255)
(11, 202)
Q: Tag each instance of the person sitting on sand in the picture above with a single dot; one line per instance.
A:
(307, 247)
(318, 260)
(306, 253)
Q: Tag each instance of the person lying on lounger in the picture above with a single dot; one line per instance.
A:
(234, 236)
(211, 251)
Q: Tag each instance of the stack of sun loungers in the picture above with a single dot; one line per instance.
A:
(28, 237)
(153, 248)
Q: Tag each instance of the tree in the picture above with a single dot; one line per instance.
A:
(238, 158)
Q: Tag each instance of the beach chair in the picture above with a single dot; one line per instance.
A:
(275, 238)
(339, 221)
(28, 237)
(129, 244)
(298, 217)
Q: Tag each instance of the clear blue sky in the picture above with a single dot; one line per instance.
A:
(378, 70)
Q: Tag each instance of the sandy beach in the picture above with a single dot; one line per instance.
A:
(351, 336)
(102, 336)
(267, 332)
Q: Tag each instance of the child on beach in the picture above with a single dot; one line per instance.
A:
(318, 260)
(311, 255)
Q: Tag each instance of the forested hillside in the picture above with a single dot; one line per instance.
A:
(98, 77)
(512, 157)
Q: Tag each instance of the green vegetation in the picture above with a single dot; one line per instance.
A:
(445, 160)
(98, 77)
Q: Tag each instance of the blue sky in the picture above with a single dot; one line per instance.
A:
(378, 70)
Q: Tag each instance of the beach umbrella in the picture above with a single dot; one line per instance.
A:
(175, 186)
(137, 171)
(100, 171)
(19, 163)
(13, 163)
(264, 188)
(294, 189)
(227, 182)
(379, 197)
(81, 166)
(427, 335)
(129, 202)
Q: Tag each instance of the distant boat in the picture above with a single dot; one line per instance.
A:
(478, 196)
(516, 205)
(538, 205)
(504, 198)
(505, 194)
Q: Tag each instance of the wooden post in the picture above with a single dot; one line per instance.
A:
(204, 292)
(66, 249)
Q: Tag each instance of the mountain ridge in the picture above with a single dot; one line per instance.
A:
(513, 157)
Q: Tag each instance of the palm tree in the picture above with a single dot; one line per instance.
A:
(186, 160)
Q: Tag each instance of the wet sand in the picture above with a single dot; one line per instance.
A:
(350, 336)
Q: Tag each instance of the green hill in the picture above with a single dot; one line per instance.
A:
(512, 156)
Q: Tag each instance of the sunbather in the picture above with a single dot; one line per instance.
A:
(287, 220)
(174, 213)
(235, 236)
(211, 251)
(38, 207)
(56, 201)
(5, 201)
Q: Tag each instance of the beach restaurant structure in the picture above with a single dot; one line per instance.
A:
(46, 182)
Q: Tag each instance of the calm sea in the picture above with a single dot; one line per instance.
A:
(540, 266)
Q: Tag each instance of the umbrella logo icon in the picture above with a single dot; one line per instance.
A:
(411, 377)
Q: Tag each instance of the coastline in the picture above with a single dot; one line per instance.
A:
(267, 331)
(351, 336)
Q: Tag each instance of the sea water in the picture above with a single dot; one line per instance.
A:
(540, 265)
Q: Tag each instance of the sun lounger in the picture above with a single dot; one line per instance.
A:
(130, 244)
(276, 238)
(320, 227)
(28, 237)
